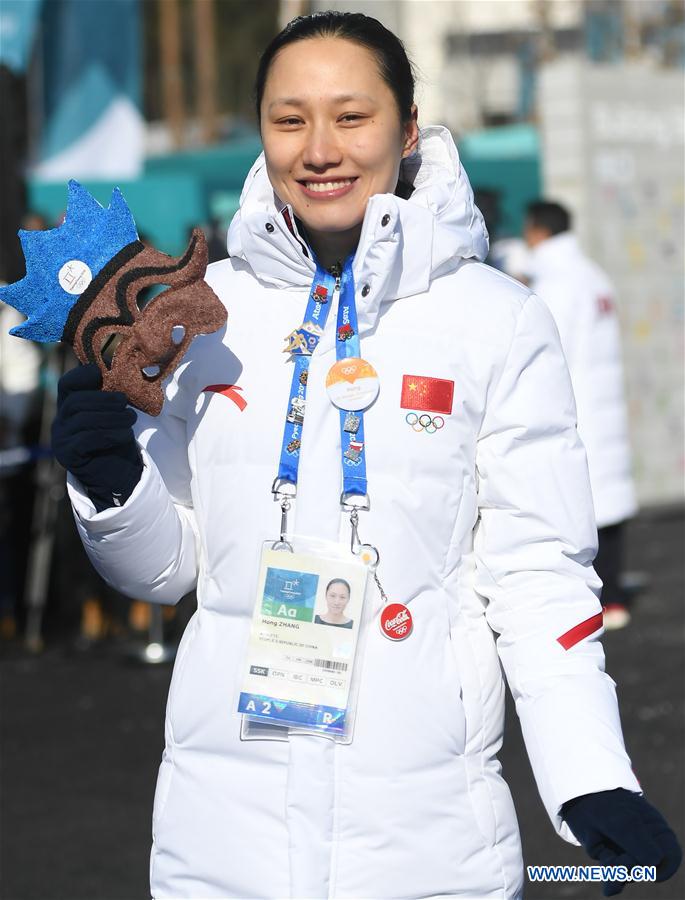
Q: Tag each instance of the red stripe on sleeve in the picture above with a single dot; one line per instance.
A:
(578, 632)
(230, 391)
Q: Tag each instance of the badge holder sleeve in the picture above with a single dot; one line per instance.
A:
(300, 674)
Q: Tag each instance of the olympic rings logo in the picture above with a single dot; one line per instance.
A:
(424, 422)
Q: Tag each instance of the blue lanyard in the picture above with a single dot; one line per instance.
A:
(303, 342)
(351, 423)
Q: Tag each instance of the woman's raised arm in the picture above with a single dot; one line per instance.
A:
(149, 547)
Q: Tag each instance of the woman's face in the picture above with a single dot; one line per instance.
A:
(337, 598)
(331, 131)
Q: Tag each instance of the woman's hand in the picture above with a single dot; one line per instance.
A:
(92, 437)
(620, 828)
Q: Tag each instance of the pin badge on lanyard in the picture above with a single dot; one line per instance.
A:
(352, 385)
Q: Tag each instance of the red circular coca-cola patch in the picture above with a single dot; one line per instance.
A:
(396, 622)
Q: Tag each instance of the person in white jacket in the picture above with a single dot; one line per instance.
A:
(479, 505)
(582, 300)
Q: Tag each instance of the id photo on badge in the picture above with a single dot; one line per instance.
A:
(336, 607)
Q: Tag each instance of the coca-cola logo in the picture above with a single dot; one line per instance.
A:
(396, 621)
(400, 619)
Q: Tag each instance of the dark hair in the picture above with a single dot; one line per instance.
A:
(339, 581)
(553, 217)
(391, 57)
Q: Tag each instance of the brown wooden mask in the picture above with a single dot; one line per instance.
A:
(151, 339)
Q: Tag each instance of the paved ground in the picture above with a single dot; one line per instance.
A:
(82, 739)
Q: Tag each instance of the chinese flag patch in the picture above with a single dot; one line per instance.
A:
(427, 394)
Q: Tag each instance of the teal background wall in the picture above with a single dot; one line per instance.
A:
(175, 193)
(505, 159)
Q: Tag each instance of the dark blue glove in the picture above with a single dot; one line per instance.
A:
(620, 828)
(93, 439)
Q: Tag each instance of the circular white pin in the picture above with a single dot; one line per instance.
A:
(352, 384)
(74, 276)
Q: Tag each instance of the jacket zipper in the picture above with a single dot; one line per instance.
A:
(336, 272)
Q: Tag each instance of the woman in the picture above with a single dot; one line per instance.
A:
(337, 598)
(482, 516)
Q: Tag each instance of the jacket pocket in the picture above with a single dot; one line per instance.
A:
(482, 805)
(166, 771)
(410, 705)
(182, 656)
(475, 656)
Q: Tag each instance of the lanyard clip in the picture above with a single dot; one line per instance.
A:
(282, 487)
(367, 552)
(349, 501)
(283, 491)
(353, 503)
(354, 523)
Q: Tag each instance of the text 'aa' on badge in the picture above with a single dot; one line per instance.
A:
(396, 621)
(352, 384)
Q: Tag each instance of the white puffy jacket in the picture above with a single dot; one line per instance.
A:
(485, 529)
(581, 299)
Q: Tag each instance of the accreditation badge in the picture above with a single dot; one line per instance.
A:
(299, 671)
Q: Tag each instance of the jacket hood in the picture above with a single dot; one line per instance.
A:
(404, 244)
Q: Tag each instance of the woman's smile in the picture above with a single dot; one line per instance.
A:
(330, 189)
